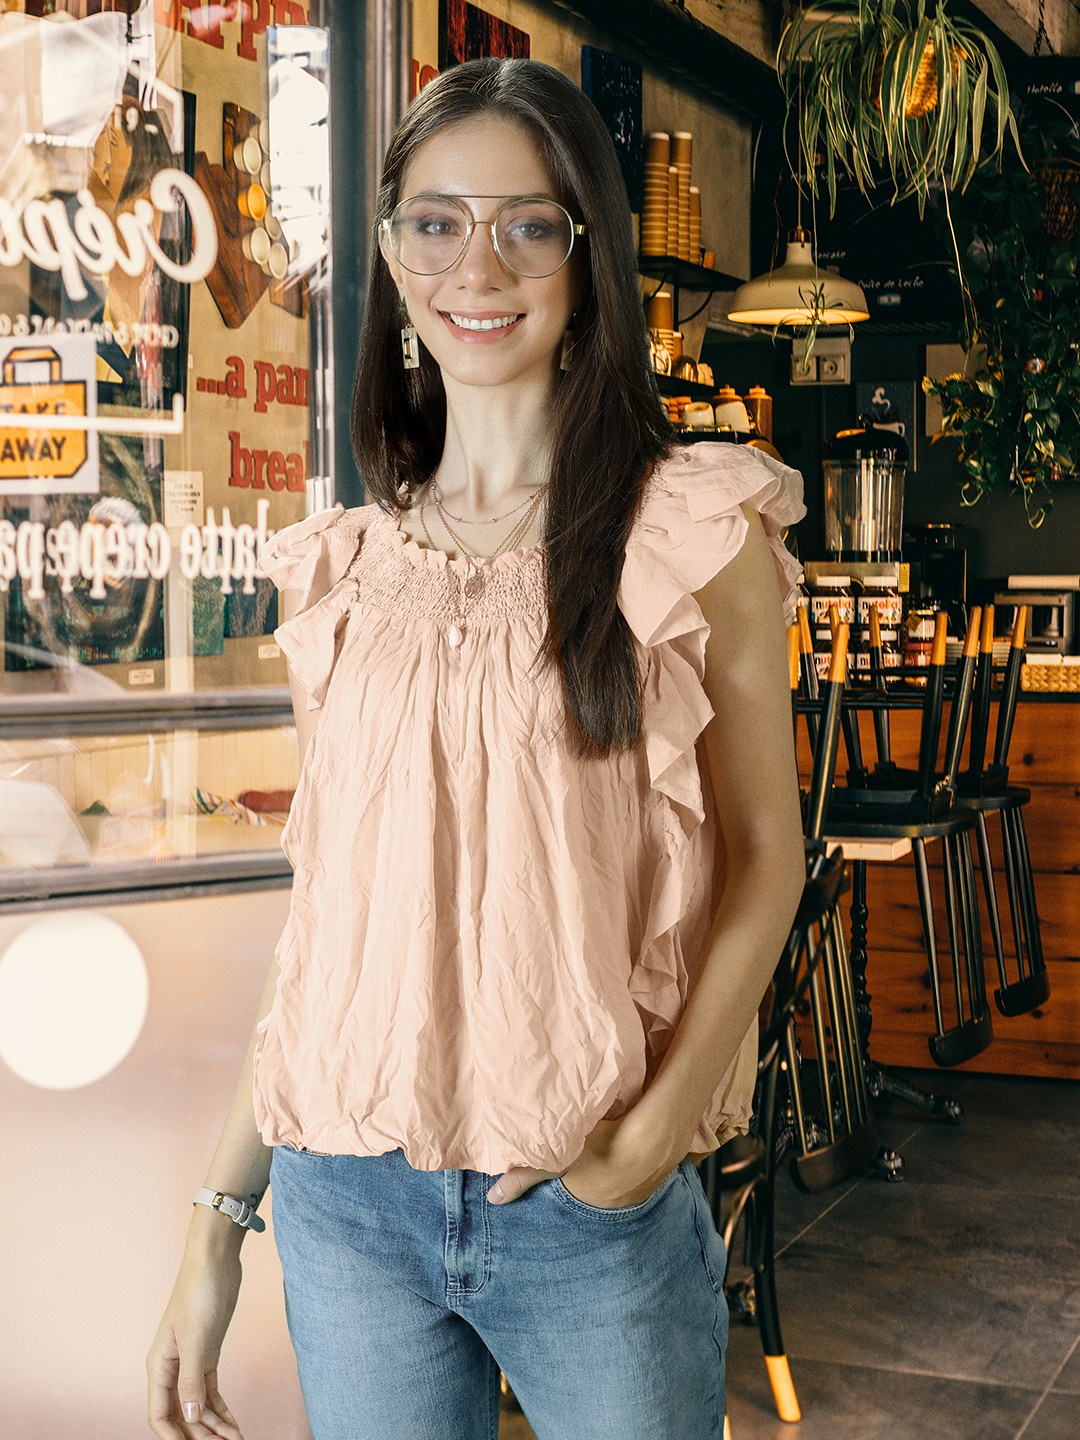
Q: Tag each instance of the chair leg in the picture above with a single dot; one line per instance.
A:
(1034, 933)
(851, 1146)
(760, 1222)
(1032, 988)
(986, 865)
(926, 910)
(972, 931)
(954, 911)
(849, 1055)
(973, 1031)
(821, 1046)
(1012, 886)
(1034, 936)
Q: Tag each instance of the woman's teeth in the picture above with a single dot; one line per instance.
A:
(467, 323)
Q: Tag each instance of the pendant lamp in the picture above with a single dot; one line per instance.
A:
(793, 294)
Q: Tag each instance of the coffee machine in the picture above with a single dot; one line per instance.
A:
(1051, 602)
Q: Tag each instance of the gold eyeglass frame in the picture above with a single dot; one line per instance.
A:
(386, 225)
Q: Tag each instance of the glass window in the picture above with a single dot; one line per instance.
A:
(164, 354)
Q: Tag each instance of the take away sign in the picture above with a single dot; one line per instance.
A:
(38, 380)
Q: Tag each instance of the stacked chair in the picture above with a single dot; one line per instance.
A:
(979, 790)
(884, 803)
(984, 789)
(839, 1139)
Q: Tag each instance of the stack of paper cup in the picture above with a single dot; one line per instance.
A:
(654, 212)
(695, 224)
(682, 143)
(672, 210)
(659, 315)
(660, 320)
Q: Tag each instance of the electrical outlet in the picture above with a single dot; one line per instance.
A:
(831, 370)
(830, 361)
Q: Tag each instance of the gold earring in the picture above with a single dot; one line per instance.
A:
(566, 354)
(410, 343)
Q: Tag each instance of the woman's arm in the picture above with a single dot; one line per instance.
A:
(182, 1362)
(181, 1366)
(751, 755)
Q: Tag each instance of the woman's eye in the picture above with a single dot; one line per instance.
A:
(530, 230)
(436, 226)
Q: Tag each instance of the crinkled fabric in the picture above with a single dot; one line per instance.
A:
(490, 941)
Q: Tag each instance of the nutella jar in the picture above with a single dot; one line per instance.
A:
(918, 636)
(828, 591)
(880, 593)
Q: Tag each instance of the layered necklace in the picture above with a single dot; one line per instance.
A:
(464, 594)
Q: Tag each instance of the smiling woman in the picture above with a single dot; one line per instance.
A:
(485, 272)
(546, 838)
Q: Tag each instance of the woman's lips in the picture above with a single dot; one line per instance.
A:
(481, 328)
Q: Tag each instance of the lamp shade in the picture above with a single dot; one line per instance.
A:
(786, 296)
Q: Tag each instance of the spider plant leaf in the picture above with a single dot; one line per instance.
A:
(1000, 86)
(978, 115)
(960, 88)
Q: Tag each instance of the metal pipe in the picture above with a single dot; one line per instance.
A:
(387, 84)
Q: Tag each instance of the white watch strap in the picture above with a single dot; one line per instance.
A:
(238, 1211)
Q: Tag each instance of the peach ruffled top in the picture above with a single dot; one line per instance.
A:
(490, 941)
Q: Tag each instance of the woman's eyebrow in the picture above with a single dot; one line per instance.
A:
(464, 195)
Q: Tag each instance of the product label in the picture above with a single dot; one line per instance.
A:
(821, 603)
(889, 607)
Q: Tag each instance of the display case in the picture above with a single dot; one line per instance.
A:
(144, 797)
(164, 380)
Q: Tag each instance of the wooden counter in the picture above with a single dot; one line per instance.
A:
(1044, 756)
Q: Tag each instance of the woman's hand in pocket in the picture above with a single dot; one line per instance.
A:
(624, 1161)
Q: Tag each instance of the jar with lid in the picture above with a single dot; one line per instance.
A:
(918, 635)
(864, 492)
(880, 593)
(759, 407)
(826, 592)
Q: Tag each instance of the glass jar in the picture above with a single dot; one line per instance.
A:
(826, 592)
(880, 593)
(864, 493)
(918, 633)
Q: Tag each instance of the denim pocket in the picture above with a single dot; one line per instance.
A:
(618, 1212)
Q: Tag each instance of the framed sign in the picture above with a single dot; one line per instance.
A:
(468, 33)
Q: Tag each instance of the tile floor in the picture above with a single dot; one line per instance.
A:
(943, 1307)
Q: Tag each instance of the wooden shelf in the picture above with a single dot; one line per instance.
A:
(675, 385)
(698, 437)
(685, 274)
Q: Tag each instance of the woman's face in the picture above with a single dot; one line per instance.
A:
(488, 160)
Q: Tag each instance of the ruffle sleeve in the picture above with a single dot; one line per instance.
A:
(313, 558)
(689, 527)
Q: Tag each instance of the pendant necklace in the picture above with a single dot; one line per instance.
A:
(464, 594)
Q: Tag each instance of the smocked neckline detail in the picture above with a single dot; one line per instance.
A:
(442, 561)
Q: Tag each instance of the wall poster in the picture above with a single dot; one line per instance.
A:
(468, 33)
(164, 198)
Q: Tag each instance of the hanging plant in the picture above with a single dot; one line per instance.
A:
(883, 91)
(1017, 417)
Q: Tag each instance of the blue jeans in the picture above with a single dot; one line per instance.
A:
(406, 1293)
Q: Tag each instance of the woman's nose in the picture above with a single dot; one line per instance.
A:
(481, 259)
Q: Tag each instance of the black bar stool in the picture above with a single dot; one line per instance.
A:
(886, 804)
(812, 974)
(985, 789)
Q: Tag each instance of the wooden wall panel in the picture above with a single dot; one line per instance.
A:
(894, 908)
(1045, 755)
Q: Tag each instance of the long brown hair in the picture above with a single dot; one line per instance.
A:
(608, 426)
